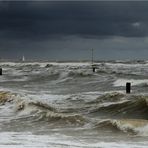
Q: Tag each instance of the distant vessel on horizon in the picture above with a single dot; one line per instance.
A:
(23, 58)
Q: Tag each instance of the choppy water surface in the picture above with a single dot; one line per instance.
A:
(67, 105)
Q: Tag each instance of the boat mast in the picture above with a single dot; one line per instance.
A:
(92, 60)
(92, 56)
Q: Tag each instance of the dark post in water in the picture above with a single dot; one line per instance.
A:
(128, 87)
(94, 69)
(0, 71)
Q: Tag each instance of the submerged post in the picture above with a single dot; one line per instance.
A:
(128, 87)
(94, 69)
(0, 71)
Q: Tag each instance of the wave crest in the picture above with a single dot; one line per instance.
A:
(133, 107)
(108, 97)
(133, 126)
(43, 112)
(5, 97)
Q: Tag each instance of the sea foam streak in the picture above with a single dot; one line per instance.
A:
(122, 82)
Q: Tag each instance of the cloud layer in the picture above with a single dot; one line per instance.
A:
(102, 19)
(28, 25)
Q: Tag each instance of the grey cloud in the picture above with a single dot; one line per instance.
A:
(48, 19)
(66, 29)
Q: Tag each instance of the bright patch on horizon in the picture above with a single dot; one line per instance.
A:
(136, 24)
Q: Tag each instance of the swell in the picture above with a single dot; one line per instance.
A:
(58, 76)
(123, 106)
(131, 107)
(108, 97)
(26, 109)
(132, 126)
(80, 73)
(38, 111)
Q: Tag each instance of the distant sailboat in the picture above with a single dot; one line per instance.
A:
(23, 58)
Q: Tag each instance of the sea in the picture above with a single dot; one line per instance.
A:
(67, 105)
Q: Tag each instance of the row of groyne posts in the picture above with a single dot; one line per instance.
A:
(128, 84)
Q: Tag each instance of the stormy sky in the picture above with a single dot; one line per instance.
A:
(67, 30)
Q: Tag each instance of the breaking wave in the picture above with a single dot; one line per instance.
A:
(5, 97)
(133, 126)
(129, 106)
(131, 112)
(44, 112)
(27, 109)
(108, 97)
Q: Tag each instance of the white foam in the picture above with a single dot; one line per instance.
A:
(142, 131)
(14, 80)
(125, 65)
(47, 97)
(122, 82)
(138, 126)
(43, 64)
(106, 104)
(27, 139)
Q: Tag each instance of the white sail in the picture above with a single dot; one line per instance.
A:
(23, 58)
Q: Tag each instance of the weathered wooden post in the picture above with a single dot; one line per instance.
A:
(94, 69)
(128, 87)
(1, 71)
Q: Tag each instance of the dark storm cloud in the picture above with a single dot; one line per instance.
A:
(69, 29)
(42, 20)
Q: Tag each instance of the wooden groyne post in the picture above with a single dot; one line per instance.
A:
(1, 71)
(128, 87)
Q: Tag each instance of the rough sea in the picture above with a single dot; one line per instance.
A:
(67, 105)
